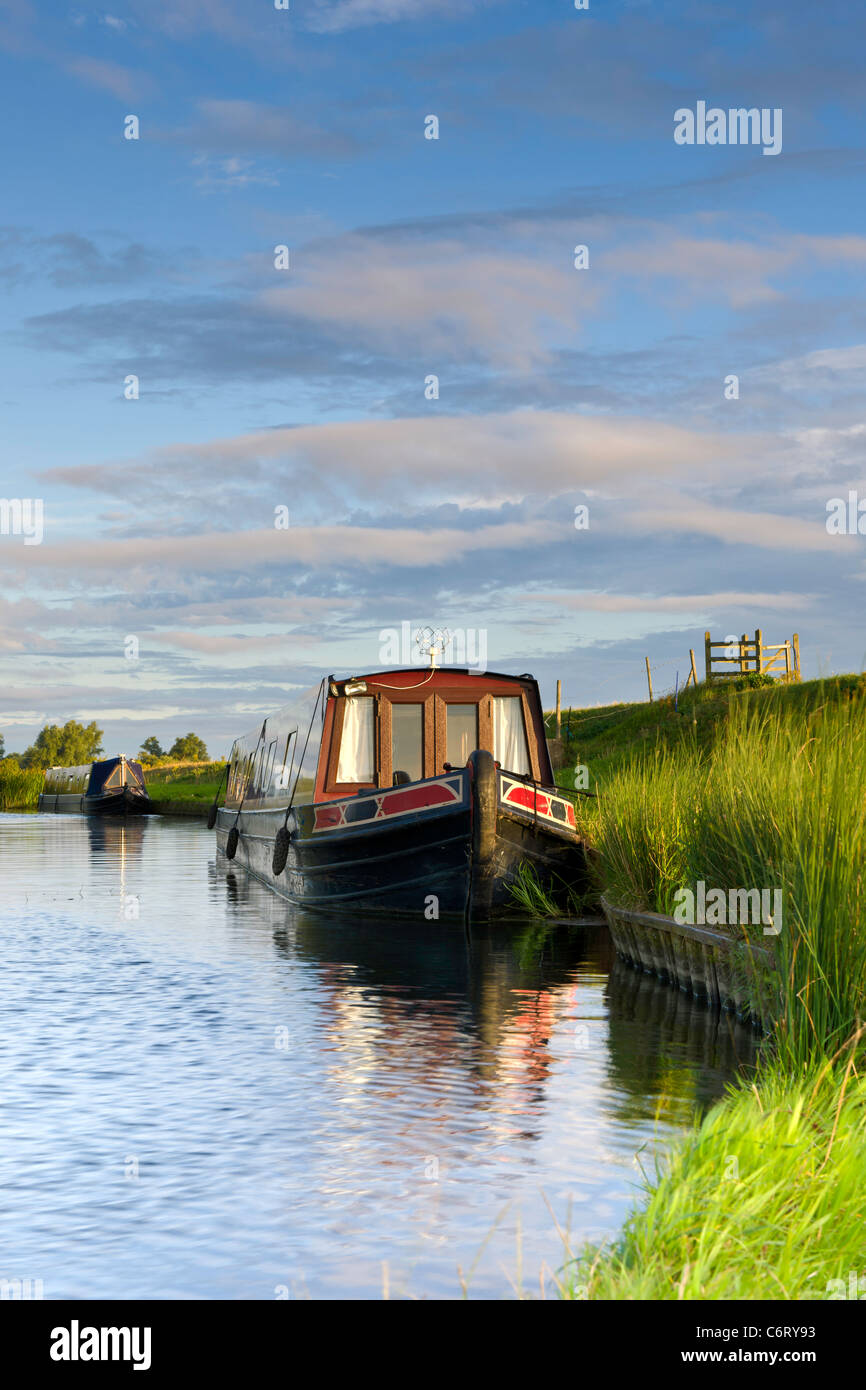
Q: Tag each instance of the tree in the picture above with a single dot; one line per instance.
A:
(189, 749)
(67, 747)
(2, 747)
(150, 750)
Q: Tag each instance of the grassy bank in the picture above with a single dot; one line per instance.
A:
(764, 1201)
(184, 781)
(193, 782)
(751, 790)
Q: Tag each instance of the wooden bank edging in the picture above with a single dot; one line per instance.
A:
(709, 964)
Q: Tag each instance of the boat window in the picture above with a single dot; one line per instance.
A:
(116, 777)
(407, 740)
(461, 732)
(356, 744)
(509, 735)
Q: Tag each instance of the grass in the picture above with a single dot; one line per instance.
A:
(765, 1200)
(605, 738)
(774, 799)
(19, 787)
(535, 899)
(184, 781)
(755, 789)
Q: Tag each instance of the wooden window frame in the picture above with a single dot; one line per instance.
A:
(332, 786)
(426, 705)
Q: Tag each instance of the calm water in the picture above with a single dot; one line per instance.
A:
(206, 1094)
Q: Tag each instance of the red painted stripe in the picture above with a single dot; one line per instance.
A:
(416, 798)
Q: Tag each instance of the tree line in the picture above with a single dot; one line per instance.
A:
(71, 744)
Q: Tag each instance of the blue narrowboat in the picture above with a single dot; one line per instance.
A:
(114, 786)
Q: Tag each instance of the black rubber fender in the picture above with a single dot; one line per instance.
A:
(282, 840)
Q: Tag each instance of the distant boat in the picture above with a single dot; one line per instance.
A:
(429, 790)
(114, 786)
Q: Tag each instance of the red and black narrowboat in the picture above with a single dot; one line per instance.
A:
(427, 792)
(113, 786)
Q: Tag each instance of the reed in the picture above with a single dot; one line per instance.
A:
(776, 802)
(767, 1197)
(19, 787)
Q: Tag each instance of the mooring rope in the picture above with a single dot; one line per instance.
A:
(234, 834)
(283, 839)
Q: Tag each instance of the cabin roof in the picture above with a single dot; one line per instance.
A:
(439, 671)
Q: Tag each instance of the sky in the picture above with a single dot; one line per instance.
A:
(246, 471)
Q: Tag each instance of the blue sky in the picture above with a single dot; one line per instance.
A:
(409, 257)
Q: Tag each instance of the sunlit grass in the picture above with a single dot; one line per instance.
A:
(776, 801)
(765, 1200)
(19, 787)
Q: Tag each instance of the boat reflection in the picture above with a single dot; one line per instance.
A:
(508, 1006)
(120, 836)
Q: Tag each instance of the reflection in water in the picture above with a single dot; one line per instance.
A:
(118, 836)
(309, 1098)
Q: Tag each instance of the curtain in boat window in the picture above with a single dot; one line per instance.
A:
(509, 736)
(356, 744)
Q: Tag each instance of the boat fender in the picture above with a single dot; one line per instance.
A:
(232, 842)
(211, 816)
(282, 840)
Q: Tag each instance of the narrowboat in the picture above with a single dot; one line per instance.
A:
(422, 794)
(114, 786)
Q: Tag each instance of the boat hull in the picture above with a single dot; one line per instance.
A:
(124, 802)
(448, 847)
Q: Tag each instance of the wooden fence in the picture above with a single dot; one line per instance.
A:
(754, 655)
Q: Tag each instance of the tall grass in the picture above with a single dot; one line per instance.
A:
(766, 1199)
(777, 801)
(19, 787)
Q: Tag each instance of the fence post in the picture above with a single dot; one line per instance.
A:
(649, 679)
(744, 660)
(694, 671)
(796, 656)
(559, 709)
(708, 657)
(759, 650)
(787, 661)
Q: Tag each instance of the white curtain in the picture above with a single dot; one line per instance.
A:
(356, 744)
(509, 737)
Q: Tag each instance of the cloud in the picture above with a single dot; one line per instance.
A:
(738, 271)
(68, 259)
(768, 530)
(324, 547)
(478, 457)
(670, 603)
(335, 16)
(441, 297)
(110, 77)
(227, 127)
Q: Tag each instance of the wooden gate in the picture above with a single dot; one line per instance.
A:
(752, 654)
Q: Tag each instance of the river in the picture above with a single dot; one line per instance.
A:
(205, 1093)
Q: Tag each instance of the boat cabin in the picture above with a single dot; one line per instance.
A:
(402, 726)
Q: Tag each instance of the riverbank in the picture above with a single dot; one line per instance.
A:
(759, 790)
(177, 789)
